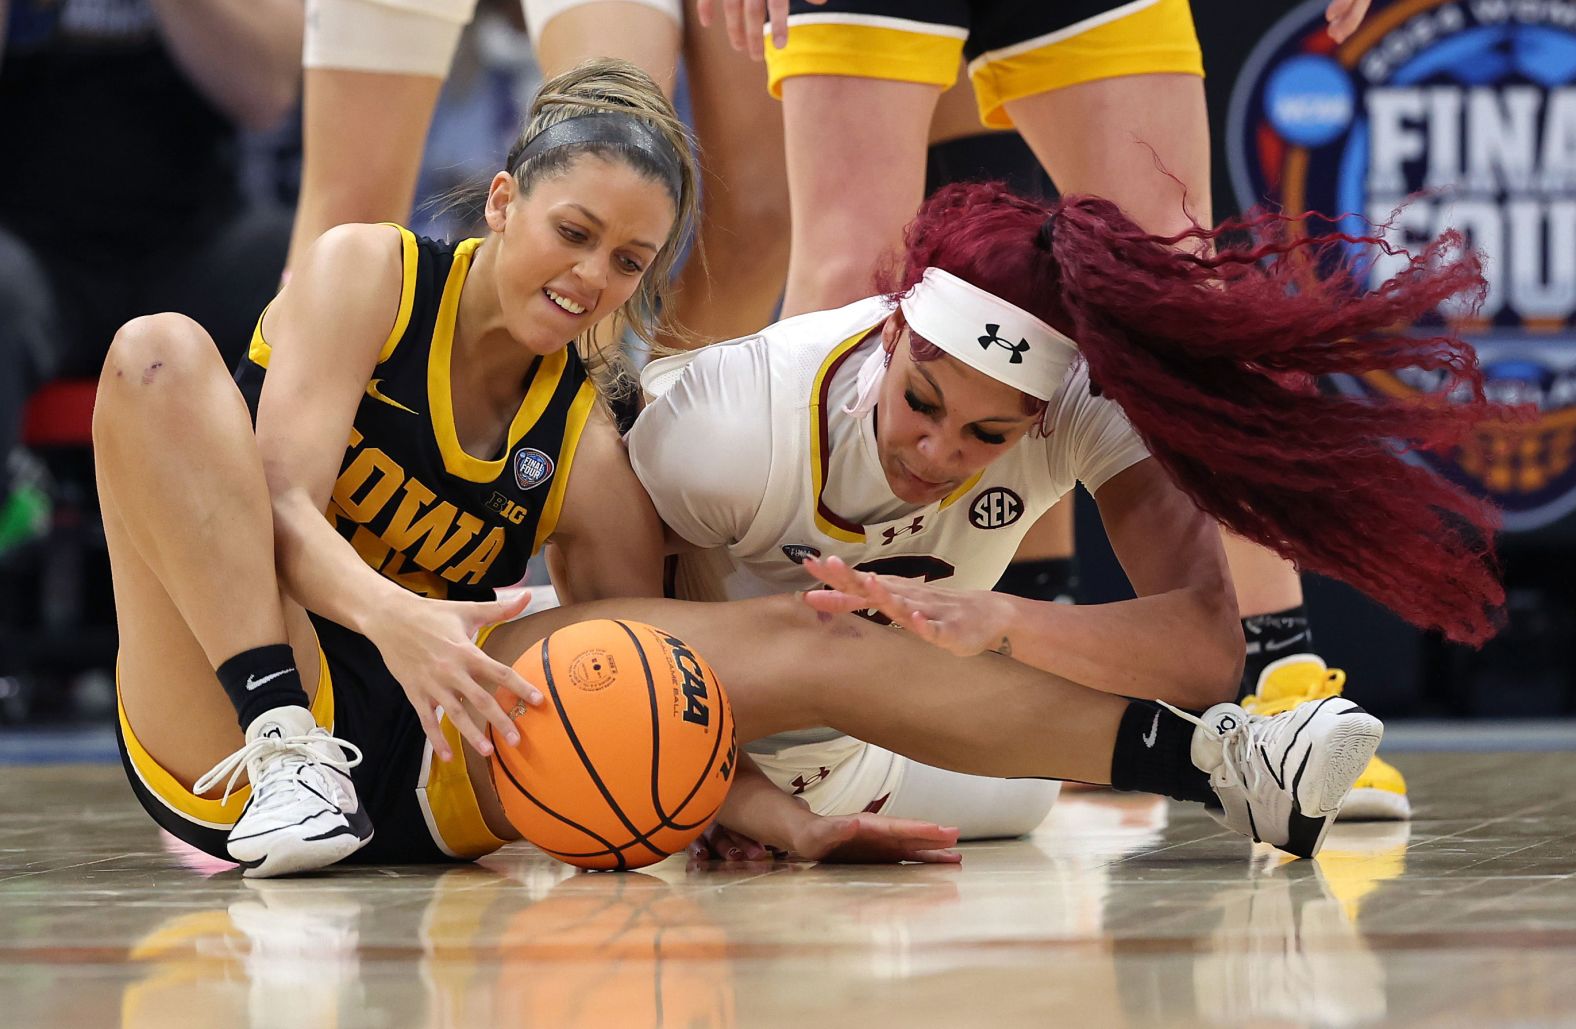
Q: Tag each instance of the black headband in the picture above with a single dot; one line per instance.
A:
(623, 129)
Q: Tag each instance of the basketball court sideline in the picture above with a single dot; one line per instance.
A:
(1120, 910)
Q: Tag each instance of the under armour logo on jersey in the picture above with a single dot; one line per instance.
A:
(800, 783)
(990, 339)
(888, 535)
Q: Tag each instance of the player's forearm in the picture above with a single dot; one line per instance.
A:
(322, 572)
(757, 808)
(1184, 647)
(243, 55)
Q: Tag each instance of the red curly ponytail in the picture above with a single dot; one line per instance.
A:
(1204, 354)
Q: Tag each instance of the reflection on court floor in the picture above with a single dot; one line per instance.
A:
(1119, 910)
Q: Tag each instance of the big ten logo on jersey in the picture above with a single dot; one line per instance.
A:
(996, 508)
(691, 695)
(423, 545)
(1442, 114)
(506, 508)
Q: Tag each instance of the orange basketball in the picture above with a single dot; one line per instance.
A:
(629, 756)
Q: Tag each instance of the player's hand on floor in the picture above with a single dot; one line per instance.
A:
(964, 622)
(876, 839)
(429, 647)
(722, 844)
(745, 20)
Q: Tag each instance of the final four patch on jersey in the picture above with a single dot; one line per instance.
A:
(798, 553)
(996, 508)
(531, 467)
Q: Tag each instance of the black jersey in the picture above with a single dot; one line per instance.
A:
(417, 507)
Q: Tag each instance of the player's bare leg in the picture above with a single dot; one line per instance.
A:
(744, 225)
(362, 139)
(187, 518)
(856, 174)
(637, 33)
(787, 667)
(189, 527)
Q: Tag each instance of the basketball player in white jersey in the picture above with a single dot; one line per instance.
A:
(897, 449)
(766, 451)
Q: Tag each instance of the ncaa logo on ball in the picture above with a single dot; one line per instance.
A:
(996, 508)
(531, 468)
(1441, 114)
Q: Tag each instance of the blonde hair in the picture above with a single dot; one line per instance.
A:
(612, 86)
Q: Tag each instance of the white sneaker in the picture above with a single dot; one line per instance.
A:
(1281, 779)
(303, 813)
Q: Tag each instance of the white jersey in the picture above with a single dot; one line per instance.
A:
(747, 450)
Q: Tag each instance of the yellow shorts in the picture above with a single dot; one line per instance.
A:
(423, 809)
(1015, 48)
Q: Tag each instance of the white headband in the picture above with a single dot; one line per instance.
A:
(988, 334)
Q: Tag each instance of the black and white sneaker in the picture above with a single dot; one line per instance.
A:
(1281, 779)
(303, 813)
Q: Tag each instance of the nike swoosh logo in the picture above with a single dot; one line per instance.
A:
(252, 684)
(1154, 732)
(377, 394)
(1272, 646)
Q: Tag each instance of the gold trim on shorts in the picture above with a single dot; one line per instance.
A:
(1158, 38)
(448, 802)
(184, 802)
(1145, 37)
(867, 47)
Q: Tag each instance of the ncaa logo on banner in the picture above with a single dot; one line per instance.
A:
(1440, 114)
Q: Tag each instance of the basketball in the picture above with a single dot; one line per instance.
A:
(630, 754)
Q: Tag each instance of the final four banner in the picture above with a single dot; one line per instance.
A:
(1441, 113)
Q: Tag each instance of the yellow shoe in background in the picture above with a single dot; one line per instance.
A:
(1380, 792)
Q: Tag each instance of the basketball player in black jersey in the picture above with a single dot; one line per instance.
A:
(426, 398)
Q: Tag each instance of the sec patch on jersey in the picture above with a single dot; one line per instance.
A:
(996, 508)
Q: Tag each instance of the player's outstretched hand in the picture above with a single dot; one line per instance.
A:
(964, 622)
(876, 839)
(429, 647)
(745, 20)
(844, 839)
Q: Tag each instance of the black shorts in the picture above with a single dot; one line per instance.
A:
(422, 809)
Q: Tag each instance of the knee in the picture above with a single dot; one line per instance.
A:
(151, 352)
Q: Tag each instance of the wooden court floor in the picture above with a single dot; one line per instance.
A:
(1120, 910)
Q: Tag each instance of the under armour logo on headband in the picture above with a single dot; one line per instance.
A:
(990, 339)
(948, 311)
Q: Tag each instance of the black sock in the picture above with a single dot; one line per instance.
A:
(1154, 749)
(1054, 578)
(260, 680)
(1271, 637)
